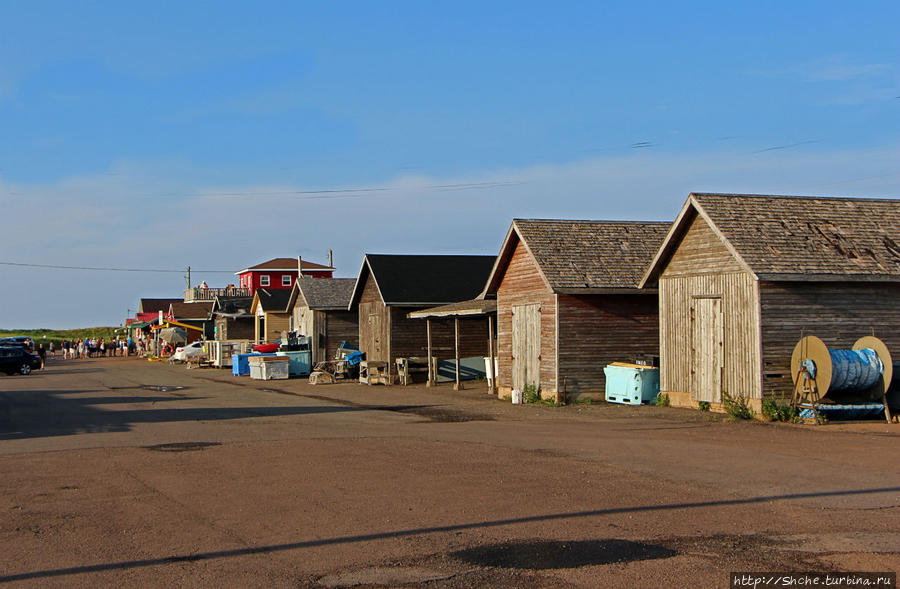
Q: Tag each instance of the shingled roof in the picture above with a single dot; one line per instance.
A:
(157, 305)
(798, 237)
(284, 264)
(583, 256)
(181, 310)
(272, 300)
(324, 294)
(424, 280)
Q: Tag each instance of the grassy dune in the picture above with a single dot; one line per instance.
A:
(57, 335)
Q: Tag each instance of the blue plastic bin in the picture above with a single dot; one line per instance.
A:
(299, 362)
(240, 364)
(631, 384)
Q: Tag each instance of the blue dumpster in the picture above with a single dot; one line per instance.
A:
(299, 362)
(240, 363)
(631, 384)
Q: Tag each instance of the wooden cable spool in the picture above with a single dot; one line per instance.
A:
(812, 348)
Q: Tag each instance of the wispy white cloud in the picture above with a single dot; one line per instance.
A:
(138, 216)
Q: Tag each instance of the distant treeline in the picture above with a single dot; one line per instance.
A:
(58, 335)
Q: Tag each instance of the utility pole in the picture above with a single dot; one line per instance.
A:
(189, 277)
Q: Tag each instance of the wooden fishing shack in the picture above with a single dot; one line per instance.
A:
(742, 278)
(568, 303)
(319, 309)
(389, 287)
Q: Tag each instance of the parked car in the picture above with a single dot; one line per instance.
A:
(18, 360)
(18, 342)
(188, 352)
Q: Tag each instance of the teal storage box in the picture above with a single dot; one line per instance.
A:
(631, 384)
(299, 362)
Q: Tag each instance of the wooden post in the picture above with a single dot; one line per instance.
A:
(431, 375)
(458, 386)
(492, 383)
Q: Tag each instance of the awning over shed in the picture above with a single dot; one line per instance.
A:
(470, 308)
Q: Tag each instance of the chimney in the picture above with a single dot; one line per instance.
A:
(299, 268)
(330, 259)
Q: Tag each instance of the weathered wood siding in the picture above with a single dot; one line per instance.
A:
(326, 329)
(374, 323)
(230, 329)
(339, 326)
(740, 313)
(595, 330)
(522, 284)
(837, 313)
(409, 337)
(275, 323)
(702, 267)
(701, 252)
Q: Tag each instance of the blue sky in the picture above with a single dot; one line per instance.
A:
(167, 136)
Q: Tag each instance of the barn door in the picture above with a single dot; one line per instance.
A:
(374, 343)
(707, 349)
(526, 346)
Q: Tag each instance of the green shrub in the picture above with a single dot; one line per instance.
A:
(661, 400)
(736, 406)
(778, 411)
(703, 405)
(531, 394)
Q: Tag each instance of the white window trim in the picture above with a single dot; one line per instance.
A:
(264, 280)
(286, 280)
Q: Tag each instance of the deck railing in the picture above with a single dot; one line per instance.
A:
(208, 294)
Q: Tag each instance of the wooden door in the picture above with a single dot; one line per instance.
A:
(526, 346)
(707, 349)
(374, 347)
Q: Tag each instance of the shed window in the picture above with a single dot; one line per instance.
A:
(264, 280)
(285, 280)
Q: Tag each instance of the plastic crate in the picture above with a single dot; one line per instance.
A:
(269, 367)
(631, 384)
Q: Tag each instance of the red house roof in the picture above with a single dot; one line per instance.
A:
(284, 264)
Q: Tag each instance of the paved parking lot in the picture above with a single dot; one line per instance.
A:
(131, 473)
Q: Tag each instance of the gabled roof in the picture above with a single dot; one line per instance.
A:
(582, 256)
(182, 310)
(324, 294)
(225, 304)
(273, 300)
(797, 237)
(285, 264)
(423, 280)
(157, 305)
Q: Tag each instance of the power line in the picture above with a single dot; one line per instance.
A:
(94, 268)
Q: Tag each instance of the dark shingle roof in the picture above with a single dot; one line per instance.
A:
(427, 279)
(327, 293)
(791, 236)
(157, 305)
(275, 299)
(583, 255)
(223, 304)
(182, 310)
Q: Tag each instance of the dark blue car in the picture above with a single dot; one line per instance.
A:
(17, 360)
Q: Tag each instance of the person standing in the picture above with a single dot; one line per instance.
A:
(42, 353)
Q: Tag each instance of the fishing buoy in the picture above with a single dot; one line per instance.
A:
(864, 371)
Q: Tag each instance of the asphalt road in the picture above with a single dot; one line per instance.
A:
(130, 473)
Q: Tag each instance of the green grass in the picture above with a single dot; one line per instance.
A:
(57, 335)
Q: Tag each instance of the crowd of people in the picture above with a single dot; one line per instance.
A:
(98, 348)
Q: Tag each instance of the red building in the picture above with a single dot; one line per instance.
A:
(279, 273)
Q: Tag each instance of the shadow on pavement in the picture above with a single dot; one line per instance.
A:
(612, 545)
(45, 413)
